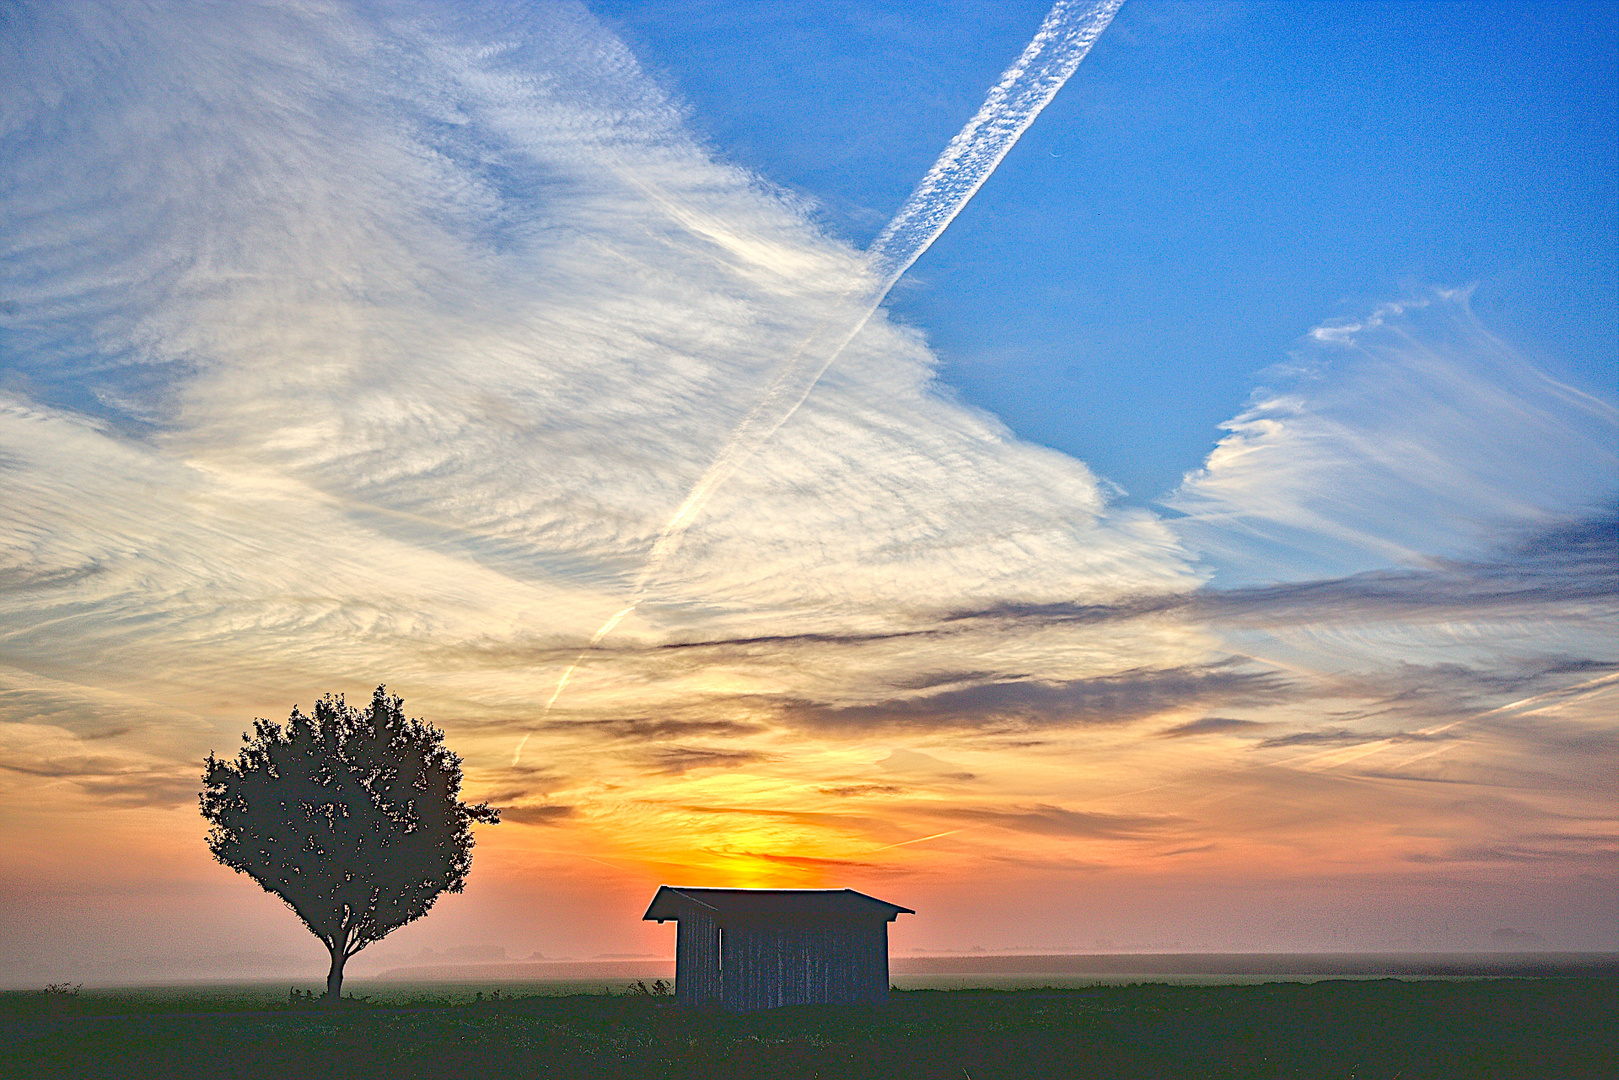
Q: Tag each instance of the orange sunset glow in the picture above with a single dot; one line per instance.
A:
(555, 368)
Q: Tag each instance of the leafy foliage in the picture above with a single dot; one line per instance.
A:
(352, 817)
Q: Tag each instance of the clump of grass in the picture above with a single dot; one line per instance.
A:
(297, 998)
(659, 988)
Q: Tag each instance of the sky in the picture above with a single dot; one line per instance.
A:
(1209, 544)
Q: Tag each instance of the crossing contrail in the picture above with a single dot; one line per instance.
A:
(1069, 30)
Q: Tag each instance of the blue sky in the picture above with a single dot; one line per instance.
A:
(1222, 178)
(470, 349)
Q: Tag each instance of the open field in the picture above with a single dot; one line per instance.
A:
(1495, 1029)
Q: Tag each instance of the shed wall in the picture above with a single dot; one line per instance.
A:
(697, 959)
(768, 966)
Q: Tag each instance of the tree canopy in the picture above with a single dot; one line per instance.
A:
(352, 817)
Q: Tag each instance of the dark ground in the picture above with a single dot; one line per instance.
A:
(1497, 1029)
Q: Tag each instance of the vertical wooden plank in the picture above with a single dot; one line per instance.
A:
(686, 963)
(855, 963)
(848, 990)
(738, 968)
(813, 964)
(807, 954)
(834, 948)
(792, 962)
(786, 947)
(859, 965)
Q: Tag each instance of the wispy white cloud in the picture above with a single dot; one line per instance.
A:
(402, 338)
(1407, 435)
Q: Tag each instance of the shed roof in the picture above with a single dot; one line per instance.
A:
(727, 905)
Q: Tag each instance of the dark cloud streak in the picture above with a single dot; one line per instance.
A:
(999, 706)
(1347, 737)
(679, 760)
(116, 781)
(1057, 821)
(1572, 562)
(1209, 725)
(537, 815)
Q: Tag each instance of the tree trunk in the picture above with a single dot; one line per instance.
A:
(334, 977)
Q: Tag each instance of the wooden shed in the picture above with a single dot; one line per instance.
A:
(747, 949)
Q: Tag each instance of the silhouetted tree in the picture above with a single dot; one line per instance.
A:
(352, 817)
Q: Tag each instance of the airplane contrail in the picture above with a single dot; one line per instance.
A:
(1027, 87)
(1069, 30)
(918, 840)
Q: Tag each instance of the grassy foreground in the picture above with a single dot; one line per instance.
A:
(1363, 1029)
